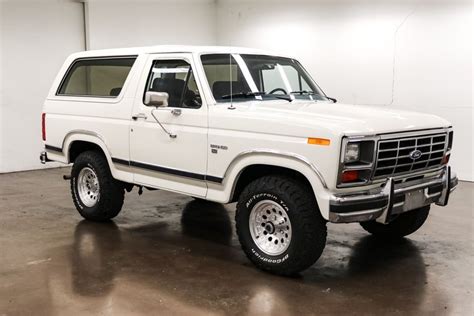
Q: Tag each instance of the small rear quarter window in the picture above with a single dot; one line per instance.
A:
(96, 77)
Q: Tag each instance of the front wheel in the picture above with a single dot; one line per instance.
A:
(405, 224)
(279, 225)
(96, 194)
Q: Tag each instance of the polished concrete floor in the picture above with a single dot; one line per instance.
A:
(168, 254)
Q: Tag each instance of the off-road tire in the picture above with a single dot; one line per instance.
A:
(110, 199)
(308, 226)
(403, 225)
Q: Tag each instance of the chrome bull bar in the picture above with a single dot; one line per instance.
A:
(392, 199)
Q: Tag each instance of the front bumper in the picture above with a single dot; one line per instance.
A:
(392, 198)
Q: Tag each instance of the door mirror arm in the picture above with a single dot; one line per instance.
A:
(158, 100)
(171, 135)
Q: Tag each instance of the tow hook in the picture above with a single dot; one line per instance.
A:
(67, 177)
(43, 157)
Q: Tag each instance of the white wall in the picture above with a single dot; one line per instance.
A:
(125, 24)
(404, 53)
(2, 151)
(35, 38)
(407, 54)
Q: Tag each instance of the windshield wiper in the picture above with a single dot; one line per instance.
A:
(242, 95)
(255, 94)
(302, 92)
(282, 97)
(311, 93)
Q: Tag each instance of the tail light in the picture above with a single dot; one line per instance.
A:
(43, 126)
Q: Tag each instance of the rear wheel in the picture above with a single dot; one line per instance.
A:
(96, 194)
(405, 224)
(279, 225)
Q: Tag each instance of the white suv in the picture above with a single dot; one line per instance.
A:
(234, 124)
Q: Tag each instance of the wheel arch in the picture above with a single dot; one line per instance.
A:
(255, 171)
(79, 146)
(80, 141)
(77, 142)
(262, 163)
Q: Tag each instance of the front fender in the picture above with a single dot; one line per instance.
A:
(223, 192)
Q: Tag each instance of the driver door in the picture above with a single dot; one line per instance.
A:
(159, 159)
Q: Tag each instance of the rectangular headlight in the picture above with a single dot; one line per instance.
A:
(357, 161)
(352, 153)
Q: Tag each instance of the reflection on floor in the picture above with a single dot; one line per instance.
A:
(170, 254)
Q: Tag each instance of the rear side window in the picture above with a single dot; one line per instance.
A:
(98, 77)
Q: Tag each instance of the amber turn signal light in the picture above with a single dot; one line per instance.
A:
(319, 141)
(350, 176)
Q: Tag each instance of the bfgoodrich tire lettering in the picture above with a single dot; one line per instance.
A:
(111, 193)
(308, 228)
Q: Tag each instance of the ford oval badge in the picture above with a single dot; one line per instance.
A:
(416, 154)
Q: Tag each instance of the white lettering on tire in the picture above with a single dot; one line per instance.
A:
(279, 260)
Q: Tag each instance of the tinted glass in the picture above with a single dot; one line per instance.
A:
(176, 78)
(96, 77)
(224, 76)
(279, 75)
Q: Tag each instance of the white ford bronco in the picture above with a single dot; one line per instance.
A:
(246, 126)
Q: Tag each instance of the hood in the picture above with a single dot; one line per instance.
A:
(347, 119)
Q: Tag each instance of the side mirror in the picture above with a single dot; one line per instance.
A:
(332, 99)
(158, 99)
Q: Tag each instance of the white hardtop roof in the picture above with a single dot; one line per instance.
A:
(171, 49)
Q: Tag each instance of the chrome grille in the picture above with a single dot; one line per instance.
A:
(393, 155)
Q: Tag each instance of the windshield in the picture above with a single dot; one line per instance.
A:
(258, 77)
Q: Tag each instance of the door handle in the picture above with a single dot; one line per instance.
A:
(139, 116)
(176, 112)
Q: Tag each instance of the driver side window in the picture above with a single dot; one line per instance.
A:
(176, 78)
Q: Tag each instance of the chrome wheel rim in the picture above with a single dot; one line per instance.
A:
(270, 227)
(88, 187)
